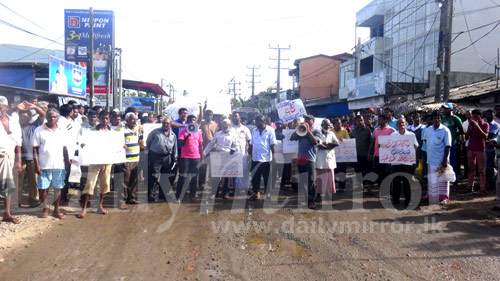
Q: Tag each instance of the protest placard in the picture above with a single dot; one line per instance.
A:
(102, 147)
(290, 110)
(147, 129)
(346, 151)
(223, 164)
(288, 145)
(398, 149)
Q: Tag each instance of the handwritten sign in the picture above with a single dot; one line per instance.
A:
(102, 147)
(346, 151)
(398, 149)
(288, 145)
(147, 129)
(223, 164)
(290, 110)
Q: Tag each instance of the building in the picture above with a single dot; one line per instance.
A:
(316, 82)
(400, 58)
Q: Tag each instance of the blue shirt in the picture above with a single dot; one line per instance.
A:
(261, 144)
(393, 124)
(176, 130)
(437, 141)
(307, 148)
(494, 130)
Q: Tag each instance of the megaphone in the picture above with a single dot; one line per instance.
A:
(192, 128)
(301, 130)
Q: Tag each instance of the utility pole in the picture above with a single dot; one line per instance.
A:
(109, 63)
(120, 82)
(253, 68)
(91, 62)
(232, 84)
(497, 66)
(447, 50)
(117, 78)
(279, 59)
(444, 50)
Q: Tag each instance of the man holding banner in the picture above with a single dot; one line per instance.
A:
(403, 182)
(101, 172)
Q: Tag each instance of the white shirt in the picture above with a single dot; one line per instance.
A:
(8, 142)
(261, 144)
(73, 129)
(222, 141)
(50, 145)
(465, 126)
(325, 159)
(243, 136)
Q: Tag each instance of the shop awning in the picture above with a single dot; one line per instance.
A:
(144, 87)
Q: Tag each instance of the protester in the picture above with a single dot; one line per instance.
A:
(130, 168)
(325, 161)
(101, 172)
(306, 160)
(115, 122)
(243, 137)
(10, 157)
(224, 140)
(28, 164)
(363, 136)
(262, 150)
(402, 182)
(438, 139)
(191, 155)
(162, 157)
(51, 158)
(382, 170)
(454, 124)
(494, 130)
(341, 133)
(66, 121)
(208, 129)
(476, 134)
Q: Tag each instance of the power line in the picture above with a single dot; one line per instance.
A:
(475, 41)
(21, 16)
(470, 36)
(29, 32)
(311, 77)
(476, 10)
(37, 51)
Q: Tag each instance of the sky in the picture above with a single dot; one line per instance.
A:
(199, 46)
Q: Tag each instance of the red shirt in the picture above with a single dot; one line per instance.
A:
(476, 141)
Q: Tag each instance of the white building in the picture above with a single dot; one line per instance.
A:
(403, 46)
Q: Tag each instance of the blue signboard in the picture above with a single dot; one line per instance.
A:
(366, 86)
(77, 34)
(141, 104)
(66, 78)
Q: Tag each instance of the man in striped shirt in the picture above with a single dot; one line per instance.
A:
(130, 167)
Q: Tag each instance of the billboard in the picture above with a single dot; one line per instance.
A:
(77, 42)
(141, 104)
(366, 86)
(66, 78)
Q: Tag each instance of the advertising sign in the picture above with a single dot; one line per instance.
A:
(77, 34)
(141, 104)
(367, 86)
(397, 149)
(66, 78)
(290, 110)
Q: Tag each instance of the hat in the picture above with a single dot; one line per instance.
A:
(227, 121)
(116, 110)
(278, 121)
(309, 116)
(145, 114)
(371, 109)
(448, 105)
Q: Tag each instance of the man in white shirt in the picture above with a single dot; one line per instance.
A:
(10, 153)
(51, 160)
(71, 128)
(243, 136)
(223, 140)
(262, 151)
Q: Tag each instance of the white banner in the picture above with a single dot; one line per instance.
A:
(102, 147)
(399, 149)
(147, 129)
(288, 145)
(346, 151)
(290, 110)
(223, 164)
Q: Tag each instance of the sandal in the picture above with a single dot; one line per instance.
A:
(102, 211)
(123, 207)
(81, 215)
(11, 220)
(44, 214)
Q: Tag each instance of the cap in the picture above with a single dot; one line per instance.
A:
(309, 116)
(116, 110)
(145, 114)
(371, 109)
(448, 105)
(227, 121)
(278, 121)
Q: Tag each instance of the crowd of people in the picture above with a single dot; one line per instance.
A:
(40, 141)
